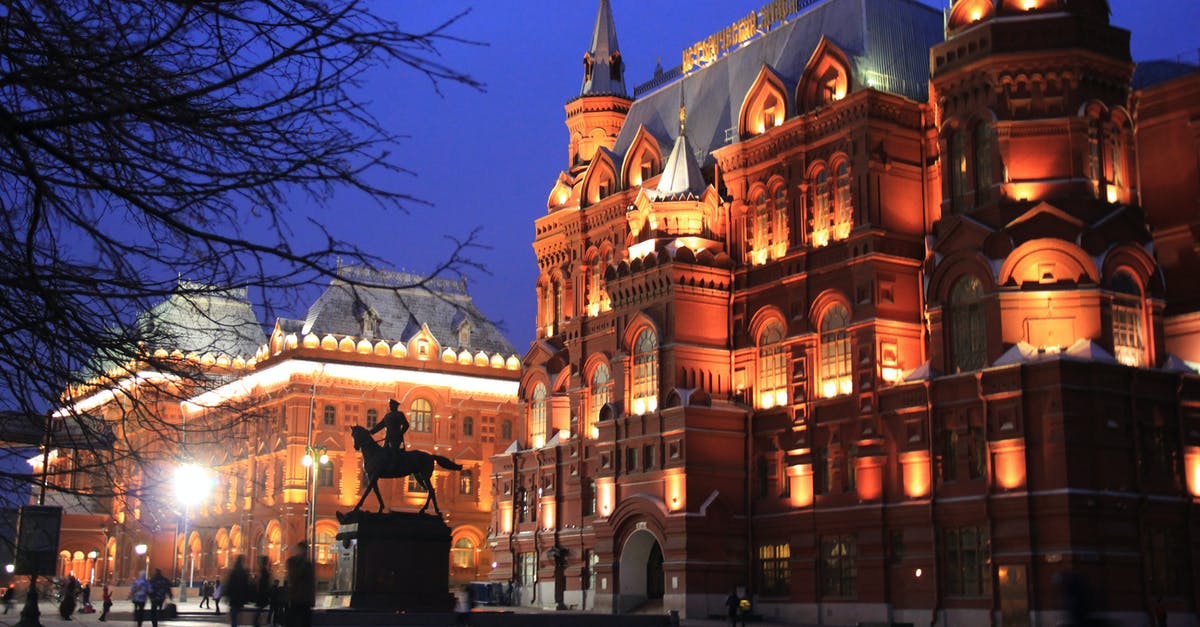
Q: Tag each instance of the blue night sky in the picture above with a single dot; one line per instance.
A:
(488, 159)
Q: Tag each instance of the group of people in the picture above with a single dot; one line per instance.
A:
(288, 604)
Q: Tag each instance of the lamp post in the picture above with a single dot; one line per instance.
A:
(92, 555)
(191, 486)
(314, 458)
(142, 549)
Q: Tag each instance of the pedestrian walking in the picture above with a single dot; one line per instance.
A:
(138, 593)
(237, 589)
(66, 606)
(262, 593)
(278, 603)
(9, 593)
(301, 586)
(217, 592)
(106, 602)
(206, 593)
(160, 591)
(732, 603)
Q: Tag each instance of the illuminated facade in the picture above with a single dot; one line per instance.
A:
(878, 312)
(303, 386)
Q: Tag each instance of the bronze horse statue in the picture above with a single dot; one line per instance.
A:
(380, 463)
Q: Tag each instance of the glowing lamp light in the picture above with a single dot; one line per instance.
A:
(9, 568)
(976, 15)
(539, 441)
(781, 397)
(1112, 194)
(494, 565)
(140, 549)
(1191, 463)
(605, 496)
(93, 555)
(675, 491)
(890, 374)
(1030, 4)
(506, 517)
(918, 572)
(766, 400)
(639, 406)
(192, 484)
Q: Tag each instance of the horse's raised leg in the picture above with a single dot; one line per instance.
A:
(366, 491)
(428, 485)
(378, 496)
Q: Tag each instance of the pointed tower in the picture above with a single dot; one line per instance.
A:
(596, 116)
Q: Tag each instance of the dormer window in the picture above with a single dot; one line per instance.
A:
(615, 66)
(464, 333)
(588, 65)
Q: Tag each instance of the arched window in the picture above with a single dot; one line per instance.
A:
(843, 214)
(1127, 320)
(772, 367)
(771, 112)
(506, 432)
(1116, 161)
(330, 415)
(822, 209)
(468, 426)
(835, 352)
(1095, 167)
(420, 416)
(984, 146)
(538, 416)
(599, 395)
(463, 553)
(645, 372)
(957, 165)
(372, 417)
(968, 327)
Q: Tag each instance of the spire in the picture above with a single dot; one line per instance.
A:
(681, 175)
(603, 68)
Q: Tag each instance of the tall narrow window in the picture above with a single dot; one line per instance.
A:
(372, 417)
(1095, 159)
(645, 372)
(835, 352)
(779, 224)
(558, 306)
(983, 162)
(538, 416)
(843, 218)
(839, 570)
(506, 431)
(420, 416)
(822, 212)
(330, 416)
(774, 570)
(468, 426)
(598, 397)
(968, 558)
(957, 165)
(463, 553)
(760, 229)
(1116, 156)
(772, 367)
(1127, 321)
(968, 328)
(466, 482)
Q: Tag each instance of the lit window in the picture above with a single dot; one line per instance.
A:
(645, 373)
(822, 211)
(463, 553)
(835, 352)
(323, 552)
(414, 486)
(839, 570)
(538, 416)
(772, 367)
(598, 397)
(843, 217)
(779, 224)
(968, 326)
(1127, 321)
(420, 416)
(466, 482)
(774, 569)
(760, 238)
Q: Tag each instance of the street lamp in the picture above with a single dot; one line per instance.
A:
(191, 486)
(142, 549)
(314, 458)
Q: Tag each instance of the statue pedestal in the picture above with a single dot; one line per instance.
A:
(398, 561)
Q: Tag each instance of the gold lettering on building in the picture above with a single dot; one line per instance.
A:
(729, 38)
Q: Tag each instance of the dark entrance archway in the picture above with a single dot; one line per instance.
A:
(641, 571)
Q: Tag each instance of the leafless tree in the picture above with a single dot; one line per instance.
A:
(146, 140)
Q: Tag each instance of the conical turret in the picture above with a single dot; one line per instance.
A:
(603, 68)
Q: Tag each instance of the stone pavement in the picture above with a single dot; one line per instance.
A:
(122, 616)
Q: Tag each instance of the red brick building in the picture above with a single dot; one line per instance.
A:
(875, 312)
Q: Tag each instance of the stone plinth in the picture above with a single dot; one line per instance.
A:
(393, 562)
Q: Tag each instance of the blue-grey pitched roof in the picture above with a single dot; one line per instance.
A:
(203, 319)
(888, 43)
(1150, 73)
(403, 302)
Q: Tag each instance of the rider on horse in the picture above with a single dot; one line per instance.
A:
(396, 424)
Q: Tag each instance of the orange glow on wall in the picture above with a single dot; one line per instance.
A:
(869, 477)
(676, 492)
(1009, 463)
(801, 478)
(548, 512)
(1191, 464)
(506, 517)
(606, 494)
(916, 473)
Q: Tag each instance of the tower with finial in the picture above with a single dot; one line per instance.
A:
(595, 117)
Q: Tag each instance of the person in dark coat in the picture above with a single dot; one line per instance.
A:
(160, 591)
(278, 603)
(733, 605)
(262, 594)
(301, 587)
(106, 601)
(237, 589)
(66, 607)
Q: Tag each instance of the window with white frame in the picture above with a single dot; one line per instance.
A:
(835, 352)
(1127, 320)
(538, 416)
(772, 367)
(644, 395)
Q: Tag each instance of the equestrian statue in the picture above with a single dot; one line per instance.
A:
(393, 460)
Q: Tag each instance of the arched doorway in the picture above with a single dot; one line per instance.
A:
(641, 571)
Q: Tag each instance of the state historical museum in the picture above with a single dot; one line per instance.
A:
(872, 312)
